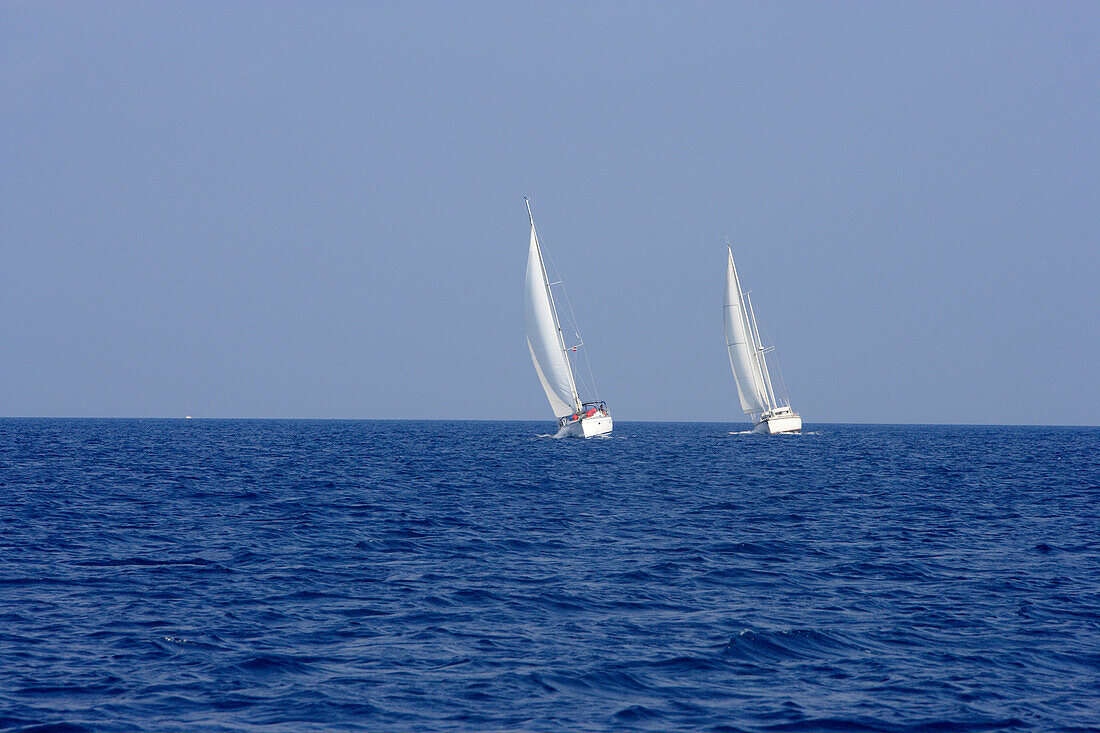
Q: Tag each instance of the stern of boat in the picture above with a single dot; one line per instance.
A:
(784, 421)
(593, 426)
(592, 421)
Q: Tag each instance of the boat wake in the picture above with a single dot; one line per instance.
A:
(789, 433)
(564, 434)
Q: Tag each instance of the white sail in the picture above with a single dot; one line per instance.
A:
(744, 355)
(544, 337)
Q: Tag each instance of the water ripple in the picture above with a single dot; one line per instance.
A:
(288, 575)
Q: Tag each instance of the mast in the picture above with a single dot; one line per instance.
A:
(554, 311)
(760, 356)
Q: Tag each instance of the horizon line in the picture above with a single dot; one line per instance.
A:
(525, 420)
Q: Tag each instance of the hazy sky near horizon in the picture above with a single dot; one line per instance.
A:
(316, 210)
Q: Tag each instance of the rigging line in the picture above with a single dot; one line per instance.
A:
(782, 383)
(595, 394)
(553, 306)
(573, 324)
(778, 368)
(587, 387)
(576, 332)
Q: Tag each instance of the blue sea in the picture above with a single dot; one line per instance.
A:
(210, 575)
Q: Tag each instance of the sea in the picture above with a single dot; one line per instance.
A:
(255, 575)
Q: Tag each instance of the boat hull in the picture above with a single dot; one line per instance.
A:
(778, 424)
(586, 427)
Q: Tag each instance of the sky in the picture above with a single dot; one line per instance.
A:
(315, 210)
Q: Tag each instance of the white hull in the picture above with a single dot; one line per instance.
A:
(778, 424)
(586, 427)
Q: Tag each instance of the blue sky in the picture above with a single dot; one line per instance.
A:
(316, 210)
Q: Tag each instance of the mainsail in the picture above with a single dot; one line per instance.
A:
(745, 357)
(544, 337)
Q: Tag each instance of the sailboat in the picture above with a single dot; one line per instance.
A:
(576, 419)
(770, 412)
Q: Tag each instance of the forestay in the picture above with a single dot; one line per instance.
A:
(544, 337)
(742, 349)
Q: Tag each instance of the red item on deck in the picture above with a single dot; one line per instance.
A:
(590, 413)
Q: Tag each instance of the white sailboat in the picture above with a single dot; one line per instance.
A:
(770, 412)
(576, 419)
